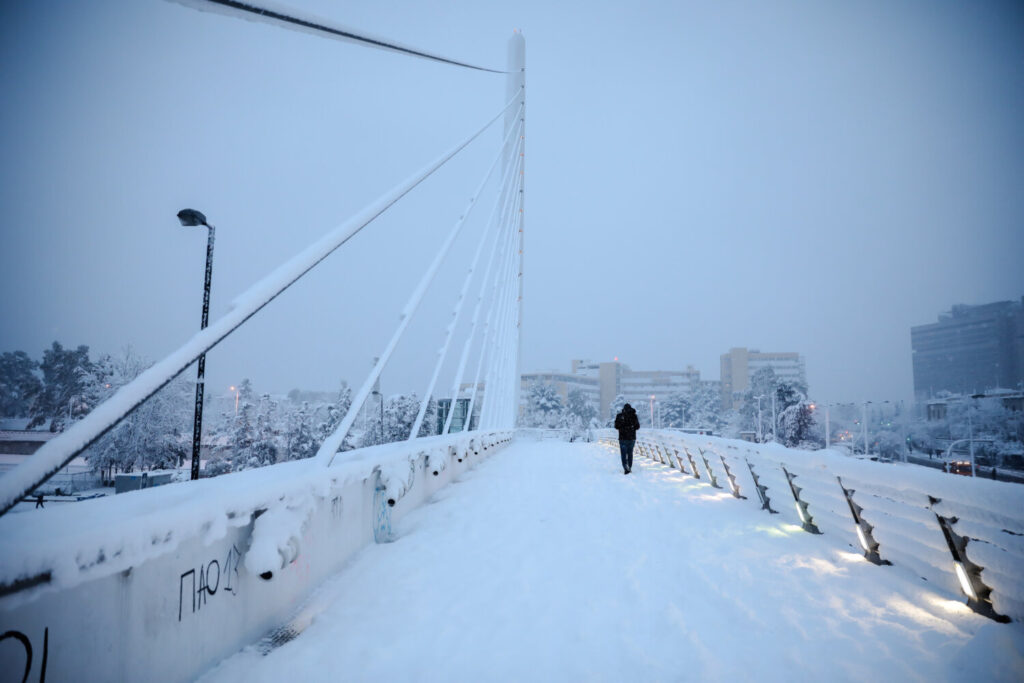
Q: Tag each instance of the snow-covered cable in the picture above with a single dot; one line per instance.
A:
(474, 326)
(59, 451)
(450, 330)
(330, 446)
(500, 239)
(488, 332)
(508, 338)
(286, 17)
(495, 380)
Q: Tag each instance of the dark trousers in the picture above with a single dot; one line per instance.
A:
(626, 450)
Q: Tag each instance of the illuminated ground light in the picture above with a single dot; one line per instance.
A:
(801, 507)
(967, 573)
(965, 581)
(863, 529)
(762, 490)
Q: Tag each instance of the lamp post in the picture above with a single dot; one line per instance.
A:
(192, 218)
(652, 411)
(828, 425)
(864, 426)
(775, 420)
(760, 439)
(235, 389)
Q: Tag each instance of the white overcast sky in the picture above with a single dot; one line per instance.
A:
(787, 176)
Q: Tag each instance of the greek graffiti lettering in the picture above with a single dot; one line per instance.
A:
(206, 580)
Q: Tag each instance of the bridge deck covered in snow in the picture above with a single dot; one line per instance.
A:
(546, 562)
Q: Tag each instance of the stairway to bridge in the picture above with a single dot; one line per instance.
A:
(546, 562)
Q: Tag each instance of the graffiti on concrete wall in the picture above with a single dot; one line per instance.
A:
(204, 583)
(26, 644)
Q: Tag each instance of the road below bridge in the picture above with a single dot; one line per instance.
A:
(545, 562)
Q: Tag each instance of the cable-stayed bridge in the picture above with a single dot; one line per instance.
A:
(545, 561)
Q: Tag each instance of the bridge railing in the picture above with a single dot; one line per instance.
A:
(961, 534)
(172, 579)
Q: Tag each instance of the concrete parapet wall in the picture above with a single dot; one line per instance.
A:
(179, 577)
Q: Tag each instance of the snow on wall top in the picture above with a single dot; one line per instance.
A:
(93, 538)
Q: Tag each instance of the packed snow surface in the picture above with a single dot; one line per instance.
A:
(545, 562)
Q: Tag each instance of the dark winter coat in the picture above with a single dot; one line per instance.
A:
(627, 423)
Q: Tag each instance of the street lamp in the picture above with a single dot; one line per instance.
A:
(235, 389)
(759, 437)
(865, 427)
(191, 218)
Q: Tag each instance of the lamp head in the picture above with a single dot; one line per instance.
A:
(191, 217)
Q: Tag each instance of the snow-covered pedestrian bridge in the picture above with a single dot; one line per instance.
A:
(546, 562)
(502, 559)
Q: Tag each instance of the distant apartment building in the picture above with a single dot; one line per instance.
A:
(740, 364)
(602, 382)
(970, 349)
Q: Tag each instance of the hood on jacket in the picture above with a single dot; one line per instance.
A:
(628, 409)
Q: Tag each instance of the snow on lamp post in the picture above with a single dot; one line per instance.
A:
(191, 218)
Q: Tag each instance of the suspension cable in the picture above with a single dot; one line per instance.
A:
(457, 312)
(286, 18)
(62, 449)
(508, 196)
(329, 447)
(494, 350)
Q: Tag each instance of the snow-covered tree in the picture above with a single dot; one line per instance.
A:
(157, 434)
(579, 405)
(543, 405)
(675, 410)
(400, 413)
(19, 384)
(300, 439)
(705, 408)
(264, 449)
(614, 409)
(797, 426)
(61, 399)
(330, 416)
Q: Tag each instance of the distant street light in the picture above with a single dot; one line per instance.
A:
(760, 438)
(235, 389)
(865, 427)
(191, 218)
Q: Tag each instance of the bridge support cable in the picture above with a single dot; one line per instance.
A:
(68, 445)
(495, 332)
(288, 18)
(332, 443)
(509, 196)
(498, 379)
(498, 331)
(457, 312)
(490, 326)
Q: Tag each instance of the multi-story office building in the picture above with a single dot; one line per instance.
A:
(970, 349)
(740, 364)
(602, 382)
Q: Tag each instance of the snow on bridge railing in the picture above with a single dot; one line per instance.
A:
(963, 534)
(203, 567)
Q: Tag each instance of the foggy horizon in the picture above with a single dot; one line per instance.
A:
(786, 178)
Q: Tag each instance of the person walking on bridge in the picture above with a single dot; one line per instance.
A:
(627, 423)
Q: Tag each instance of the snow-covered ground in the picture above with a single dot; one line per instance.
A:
(545, 562)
